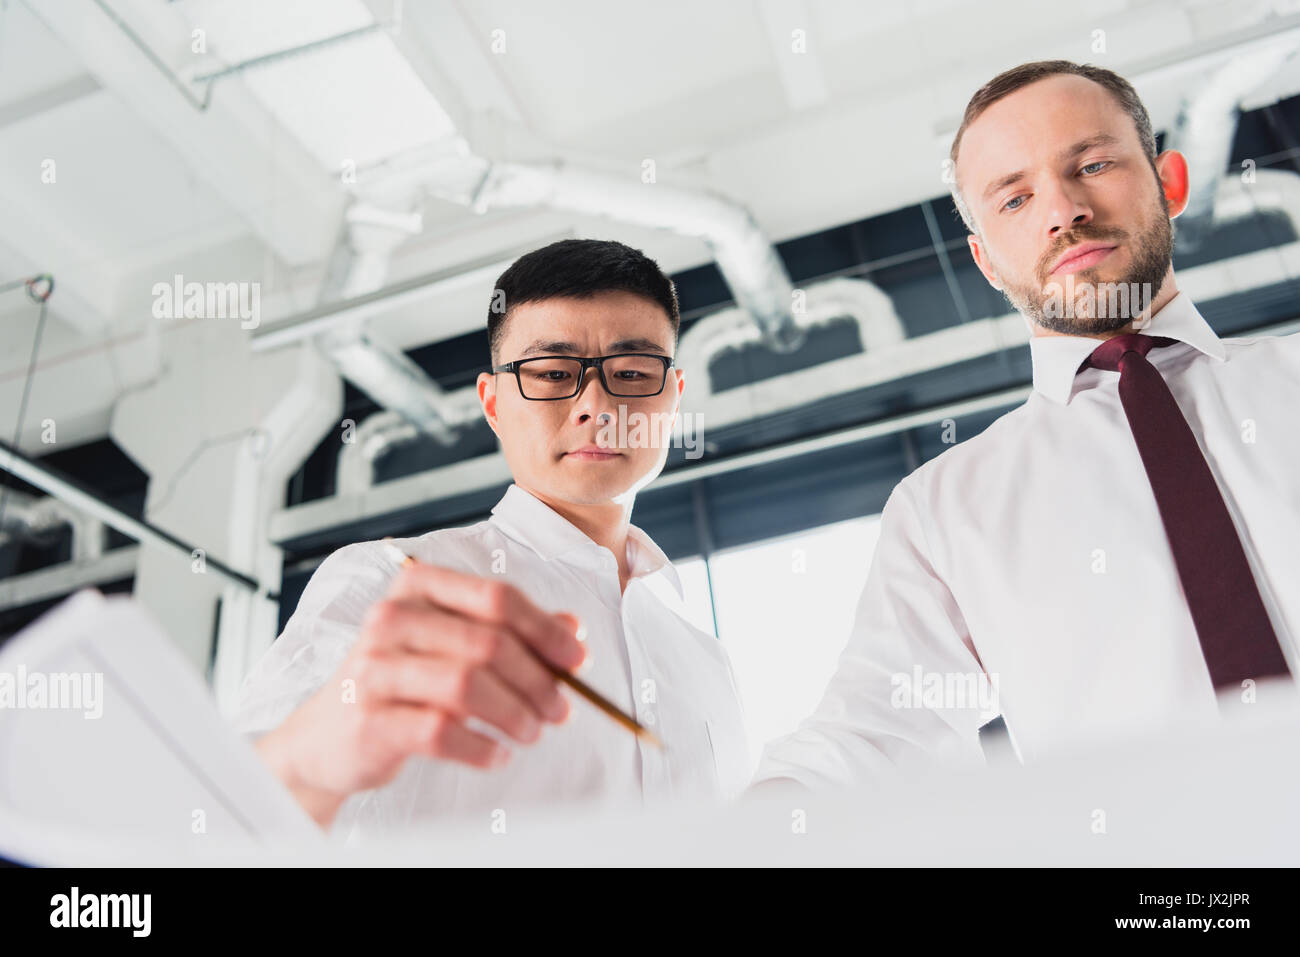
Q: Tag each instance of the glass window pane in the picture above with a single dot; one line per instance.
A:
(785, 608)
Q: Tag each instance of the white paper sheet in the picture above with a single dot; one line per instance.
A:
(157, 766)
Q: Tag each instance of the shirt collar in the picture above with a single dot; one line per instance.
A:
(1057, 359)
(529, 520)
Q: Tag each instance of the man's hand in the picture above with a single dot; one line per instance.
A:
(440, 647)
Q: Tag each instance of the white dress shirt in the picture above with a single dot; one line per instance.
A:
(643, 655)
(1027, 569)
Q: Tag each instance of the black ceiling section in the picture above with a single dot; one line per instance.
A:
(919, 293)
(776, 498)
(974, 377)
(455, 363)
(316, 478)
(105, 470)
(949, 383)
(1270, 136)
(895, 251)
(14, 620)
(102, 465)
(742, 506)
(772, 499)
(409, 458)
(792, 494)
(700, 290)
(440, 510)
(755, 363)
(1261, 230)
(1244, 313)
(982, 300)
(293, 582)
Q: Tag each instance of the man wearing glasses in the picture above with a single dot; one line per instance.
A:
(399, 695)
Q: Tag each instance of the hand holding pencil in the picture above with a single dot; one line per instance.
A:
(440, 648)
(590, 694)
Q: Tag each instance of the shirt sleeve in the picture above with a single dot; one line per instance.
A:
(908, 689)
(316, 638)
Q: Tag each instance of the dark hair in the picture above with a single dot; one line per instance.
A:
(1008, 82)
(579, 268)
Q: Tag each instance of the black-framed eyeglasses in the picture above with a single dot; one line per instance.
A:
(628, 375)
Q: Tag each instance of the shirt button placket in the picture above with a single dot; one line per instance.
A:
(656, 784)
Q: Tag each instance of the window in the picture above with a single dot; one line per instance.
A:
(784, 611)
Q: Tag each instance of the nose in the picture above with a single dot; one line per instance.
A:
(1067, 207)
(592, 401)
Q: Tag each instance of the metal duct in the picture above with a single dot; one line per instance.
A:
(747, 260)
(863, 302)
(1273, 191)
(1207, 125)
(386, 374)
(764, 295)
(391, 379)
(1270, 191)
(382, 430)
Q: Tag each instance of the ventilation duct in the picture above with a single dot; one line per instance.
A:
(1207, 124)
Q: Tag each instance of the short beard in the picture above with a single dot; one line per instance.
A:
(1152, 253)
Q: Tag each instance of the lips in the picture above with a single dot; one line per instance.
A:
(1081, 257)
(593, 453)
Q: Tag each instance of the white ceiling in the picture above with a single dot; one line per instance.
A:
(148, 184)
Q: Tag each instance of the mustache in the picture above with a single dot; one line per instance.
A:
(1084, 233)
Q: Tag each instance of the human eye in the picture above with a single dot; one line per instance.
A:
(549, 371)
(634, 368)
(1099, 164)
(1014, 203)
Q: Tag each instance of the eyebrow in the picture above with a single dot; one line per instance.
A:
(542, 347)
(637, 345)
(553, 347)
(1082, 146)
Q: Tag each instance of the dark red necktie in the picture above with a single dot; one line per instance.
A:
(1236, 637)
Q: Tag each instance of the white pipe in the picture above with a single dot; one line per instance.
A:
(887, 354)
(1271, 190)
(748, 262)
(863, 302)
(757, 401)
(392, 379)
(387, 375)
(1207, 124)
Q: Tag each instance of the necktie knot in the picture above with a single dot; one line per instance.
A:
(1107, 355)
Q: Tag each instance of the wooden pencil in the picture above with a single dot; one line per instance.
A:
(593, 696)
